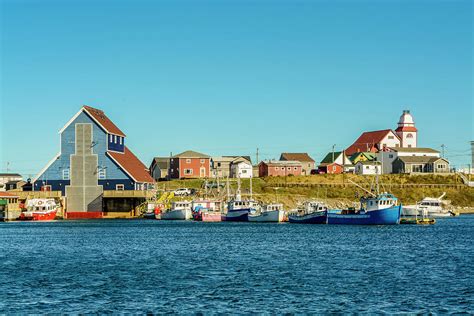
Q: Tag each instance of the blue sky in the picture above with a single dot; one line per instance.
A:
(226, 77)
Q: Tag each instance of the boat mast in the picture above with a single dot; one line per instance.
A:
(251, 188)
(238, 195)
(362, 188)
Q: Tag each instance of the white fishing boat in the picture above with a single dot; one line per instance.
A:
(180, 210)
(432, 207)
(267, 213)
(311, 212)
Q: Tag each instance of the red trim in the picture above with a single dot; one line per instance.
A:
(83, 215)
(406, 129)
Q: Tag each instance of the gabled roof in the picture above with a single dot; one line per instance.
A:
(406, 129)
(369, 162)
(237, 157)
(191, 154)
(420, 159)
(99, 117)
(281, 163)
(368, 155)
(131, 165)
(414, 150)
(328, 159)
(10, 175)
(302, 157)
(162, 162)
(367, 140)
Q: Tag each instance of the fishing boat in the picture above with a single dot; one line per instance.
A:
(206, 210)
(267, 213)
(311, 212)
(378, 209)
(180, 210)
(434, 207)
(40, 210)
(238, 209)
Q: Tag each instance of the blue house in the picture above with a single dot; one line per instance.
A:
(92, 157)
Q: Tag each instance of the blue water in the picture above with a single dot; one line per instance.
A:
(163, 266)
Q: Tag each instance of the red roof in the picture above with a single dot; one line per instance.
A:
(367, 140)
(7, 195)
(100, 117)
(406, 129)
(131, 165)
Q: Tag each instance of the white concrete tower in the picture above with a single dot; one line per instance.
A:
(406, 130)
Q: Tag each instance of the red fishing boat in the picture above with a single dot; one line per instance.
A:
(39, 210)
(206, 211)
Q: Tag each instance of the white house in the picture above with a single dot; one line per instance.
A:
(368, 167)
(6, 177)
(386, 158)
(241, 169)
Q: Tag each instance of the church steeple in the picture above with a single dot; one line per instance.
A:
(406, 130)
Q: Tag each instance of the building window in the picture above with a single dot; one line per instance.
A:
(188, 160)
(417, 168)
(102, 174)
(390, 156)
(119, 187)
(188, 171)
(244, 171)
(296, 168)
(334, 168)
(397, 145)
(202, 160)
(111, 138)
(288, 168)
(115, 139)
(121, 140)
(390, 137)
(409, 135)
(409, 146)
(66, 174)
(441, 166)
(218, 164)
(277, 168)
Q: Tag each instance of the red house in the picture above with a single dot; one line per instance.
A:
(332, 168)
(279, 168)
(190, 164)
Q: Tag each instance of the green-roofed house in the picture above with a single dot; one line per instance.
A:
(190, 164)
(362, 156)
(336, 162)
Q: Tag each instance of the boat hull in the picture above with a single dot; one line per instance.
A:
(269, 216)
(38, 216)
(241, 215)
(388, 216)
(211, 217)
(412, 211)
(177, 215)
(313, 218)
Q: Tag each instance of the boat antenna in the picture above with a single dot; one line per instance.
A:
(237, 194)
(251, 191)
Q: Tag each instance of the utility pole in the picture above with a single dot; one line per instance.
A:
(333, 147)
(442, 150)
(257, 156)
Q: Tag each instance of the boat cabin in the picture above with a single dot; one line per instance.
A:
(181, 205)
(273, 207)
(242, 204)
(379, 202)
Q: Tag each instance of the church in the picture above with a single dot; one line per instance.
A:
(405, 136)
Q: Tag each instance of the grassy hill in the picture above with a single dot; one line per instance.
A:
(338, 190)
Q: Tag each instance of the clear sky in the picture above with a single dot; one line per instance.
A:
(226, 77)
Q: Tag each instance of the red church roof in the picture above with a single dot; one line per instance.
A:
(406, 129)
(367, 141)
(131, 165)
(102, 119)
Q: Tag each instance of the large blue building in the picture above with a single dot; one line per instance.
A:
(93, 157)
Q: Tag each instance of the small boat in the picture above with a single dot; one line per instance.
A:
(434, 207)
(267, 213)
(40, 210)
(206, 211)
(153, 211)
(378, 209)
(238, 210)
(179, 211)
(312, 212)
(417, 221)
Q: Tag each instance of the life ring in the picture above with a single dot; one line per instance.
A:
(40, 202)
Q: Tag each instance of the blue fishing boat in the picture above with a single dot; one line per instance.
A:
(378, 209)
(312, 212)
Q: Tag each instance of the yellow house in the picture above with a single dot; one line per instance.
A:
(362, 156)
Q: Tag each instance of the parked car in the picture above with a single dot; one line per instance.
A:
(184, 192)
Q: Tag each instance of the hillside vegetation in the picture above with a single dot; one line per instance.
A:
(338, 190)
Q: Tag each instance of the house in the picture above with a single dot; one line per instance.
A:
(420, 164)
(279, 168)
(405, 136)
(362, 156)
(221, 165)
(9, 206)
(306, 161)
(14, 185)
(391, 154)
(336, 162)
(159, 168)
(8, 177)
(93, 157)
(190, 164)
(241, 169)
(368, 167)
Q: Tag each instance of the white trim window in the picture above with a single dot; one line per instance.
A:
(102, 174)
(188, 160)
(188, 172)
(115, 139)
(111, 138)
(119, 187)
(121, 140)
(66, 174)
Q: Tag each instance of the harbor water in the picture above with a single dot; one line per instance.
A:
(183, 267)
